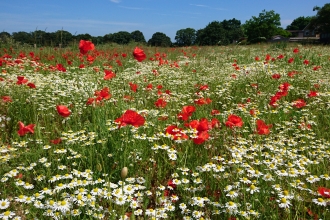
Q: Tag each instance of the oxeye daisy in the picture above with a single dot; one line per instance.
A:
(232, 194)
(4, 203)
(252, 189)
(7, 215)
(284, 203)
(63, 206)
(320, 201)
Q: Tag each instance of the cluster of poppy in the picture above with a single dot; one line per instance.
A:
(22, 80)
(130, 117)
(100, 95)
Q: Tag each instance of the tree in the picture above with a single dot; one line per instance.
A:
(263, 27)
(299, 23)
(82, 36)
(185, 37)
(212, 34)
(4, 35)
(233, 29)
(121, 37)
(160, 39)
(138, 36)
(23, 37)
(321, 22)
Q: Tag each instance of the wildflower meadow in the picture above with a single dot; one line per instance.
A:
(138, 132)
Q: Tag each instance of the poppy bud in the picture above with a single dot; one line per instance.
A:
(124, 172)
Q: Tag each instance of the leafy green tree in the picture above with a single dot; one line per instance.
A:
(121, 37)
(23, 37)
(82, 36)
(234, 30)
(97, 40)
(4, 35)
(266, 25)
(160, 39)
(299, 23)
(37, 36)
(107, 38)
(212, 34)
(185, 37)
(138, 36)
(321, 22)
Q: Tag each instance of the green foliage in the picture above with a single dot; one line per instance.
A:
(321, 21)
(234, 30)
(23, 37)
(121, 37)
(282, 32)
(80, 36)
(299, 23)
(138, 36)
(185, 37)
(160, 40)
(265, 25)
(212, 34)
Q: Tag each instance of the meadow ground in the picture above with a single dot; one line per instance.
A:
(237, 132)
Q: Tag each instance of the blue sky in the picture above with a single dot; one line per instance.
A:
(102, 17)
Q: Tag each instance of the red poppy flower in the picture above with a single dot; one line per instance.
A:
(139, 54)
(252, 112)
(133, 86)
(63, 110)
(186, 112)
(295, 50)
(262, 128)
(60, 67)
(325, 192)
(21, 80)
(6, 98)
(215, 112)
(56, 141)
(276, 76)
(85, 46)
(290, 60)
(306, 62)
(203, 87)
(256, 58)
(31, 85)
(130, 117)
(23, 130)
(281, 56)
(109, 74)
(171, 184)
(176, 132)
(234, 121)
(312, 94)
(299, 103)
(149, 87)
(201, 137)
(203, 101)
(200, 125)
(90, 101)
(160, 103)
(284, 86)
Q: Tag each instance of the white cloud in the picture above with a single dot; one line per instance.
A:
(133, 8)
(115, 1)
(205, 6)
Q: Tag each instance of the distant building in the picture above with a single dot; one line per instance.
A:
(305, 35)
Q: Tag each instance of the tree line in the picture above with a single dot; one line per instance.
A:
(257, 29)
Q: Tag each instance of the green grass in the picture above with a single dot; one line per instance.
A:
(235, 173)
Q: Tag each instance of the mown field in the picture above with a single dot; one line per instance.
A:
(237, 132)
